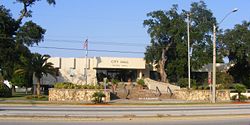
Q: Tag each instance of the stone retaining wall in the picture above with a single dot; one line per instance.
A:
(75, 95)
(202, 95)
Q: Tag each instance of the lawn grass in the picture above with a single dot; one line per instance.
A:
(23, 96)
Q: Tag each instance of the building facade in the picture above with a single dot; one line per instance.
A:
(93, 70)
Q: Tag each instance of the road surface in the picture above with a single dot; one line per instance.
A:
(192, 121)
(123, 111)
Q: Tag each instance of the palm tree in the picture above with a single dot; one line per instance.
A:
(39, 67)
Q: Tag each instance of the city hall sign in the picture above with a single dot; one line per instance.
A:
(120, 63)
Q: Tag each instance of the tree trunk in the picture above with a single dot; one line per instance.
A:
(162, 71)
(162, 63)
(38, 88)
(13, 89)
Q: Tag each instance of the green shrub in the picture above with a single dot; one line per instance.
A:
(141, 82)
(194, 87)
(183, 83)
(115, 81)
(99, 87)
(242, 98)
(234, 97)
(206, 87)
(98, 97)
(68, 85)
(200, 87)
(64, 85)
(5, 91)
(223, 80)
(91, 87)
(240, 88)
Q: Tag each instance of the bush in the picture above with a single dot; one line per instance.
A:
(68, 85)
(115, 81)
(242, 98)
(63, 85)
(183, 83)
(141, 82)
(5, 91)
(234, 97)
(224, 80)
(239, 88)
(99, 87)
(98, 97)
(201, 87)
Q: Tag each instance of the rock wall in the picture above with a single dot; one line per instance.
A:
(75, 95)
(202, 95)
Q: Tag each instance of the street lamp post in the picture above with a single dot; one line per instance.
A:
(214, 55)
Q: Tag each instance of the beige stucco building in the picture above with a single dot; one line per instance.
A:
(73, 69)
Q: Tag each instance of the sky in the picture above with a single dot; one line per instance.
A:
(114, 28)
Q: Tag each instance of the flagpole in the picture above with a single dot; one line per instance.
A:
(86, 61)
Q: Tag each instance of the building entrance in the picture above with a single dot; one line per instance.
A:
(122, 75)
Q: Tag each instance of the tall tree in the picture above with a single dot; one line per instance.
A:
(168, 47)
(236, 45)
(164, 29)
(39, 67)
(16, 36)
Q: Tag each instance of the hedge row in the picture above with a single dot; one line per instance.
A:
(68, 85)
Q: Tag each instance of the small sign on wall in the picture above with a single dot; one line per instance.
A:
(209, 78)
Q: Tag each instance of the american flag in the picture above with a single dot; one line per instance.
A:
(85, 44)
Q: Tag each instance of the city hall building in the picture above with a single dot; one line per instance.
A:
(97, 68)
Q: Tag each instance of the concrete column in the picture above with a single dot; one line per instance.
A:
(140, 74)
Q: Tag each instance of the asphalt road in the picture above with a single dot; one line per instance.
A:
(194, 121)
(123, 111)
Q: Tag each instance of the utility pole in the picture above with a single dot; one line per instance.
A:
(214, 64)
(188, 36)
(214, 54)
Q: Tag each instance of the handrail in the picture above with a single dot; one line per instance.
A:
(170, 91)
(158, 90)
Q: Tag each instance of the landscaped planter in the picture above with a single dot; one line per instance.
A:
(75, 95)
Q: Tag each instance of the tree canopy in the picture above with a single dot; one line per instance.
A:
(168, 32)
(16, 36)
(236, 46)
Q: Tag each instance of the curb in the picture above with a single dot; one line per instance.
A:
(100, 118)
